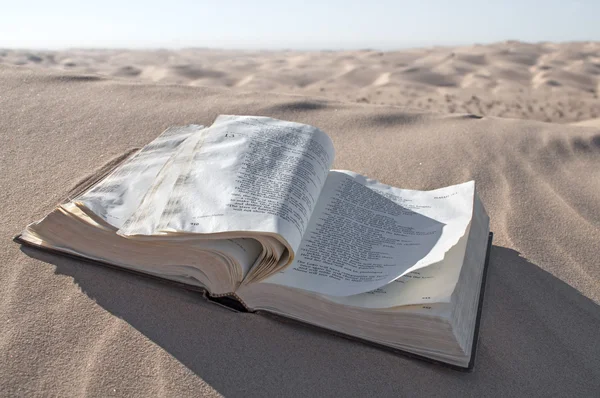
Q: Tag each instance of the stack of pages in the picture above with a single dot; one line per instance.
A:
(249, 208)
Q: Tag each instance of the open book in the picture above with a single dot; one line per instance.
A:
(249, 209)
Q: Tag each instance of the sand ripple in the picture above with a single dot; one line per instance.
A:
(547, 81)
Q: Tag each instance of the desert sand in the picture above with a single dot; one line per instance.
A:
(547, 81)
(74, 329)
(589, 123)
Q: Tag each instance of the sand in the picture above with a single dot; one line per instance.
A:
(547, 81)
(589, 123)
(73, 329)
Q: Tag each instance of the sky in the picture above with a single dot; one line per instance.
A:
(299, 24)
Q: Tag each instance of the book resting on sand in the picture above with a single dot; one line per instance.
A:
(249, 211)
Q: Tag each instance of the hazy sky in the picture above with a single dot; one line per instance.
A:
(299, 24)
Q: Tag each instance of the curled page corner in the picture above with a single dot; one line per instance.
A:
(364, 235)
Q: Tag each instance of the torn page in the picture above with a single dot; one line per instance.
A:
(364, 234)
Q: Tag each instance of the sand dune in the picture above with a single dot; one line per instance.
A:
(547, 81)
(73, 329)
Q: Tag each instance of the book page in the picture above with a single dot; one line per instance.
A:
(251, 174)
(146, 219)
(115, 198)
(435, 283)
(150, 216)
(363, 234)
(432, 284)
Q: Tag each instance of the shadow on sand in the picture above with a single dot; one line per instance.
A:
(538, 336)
